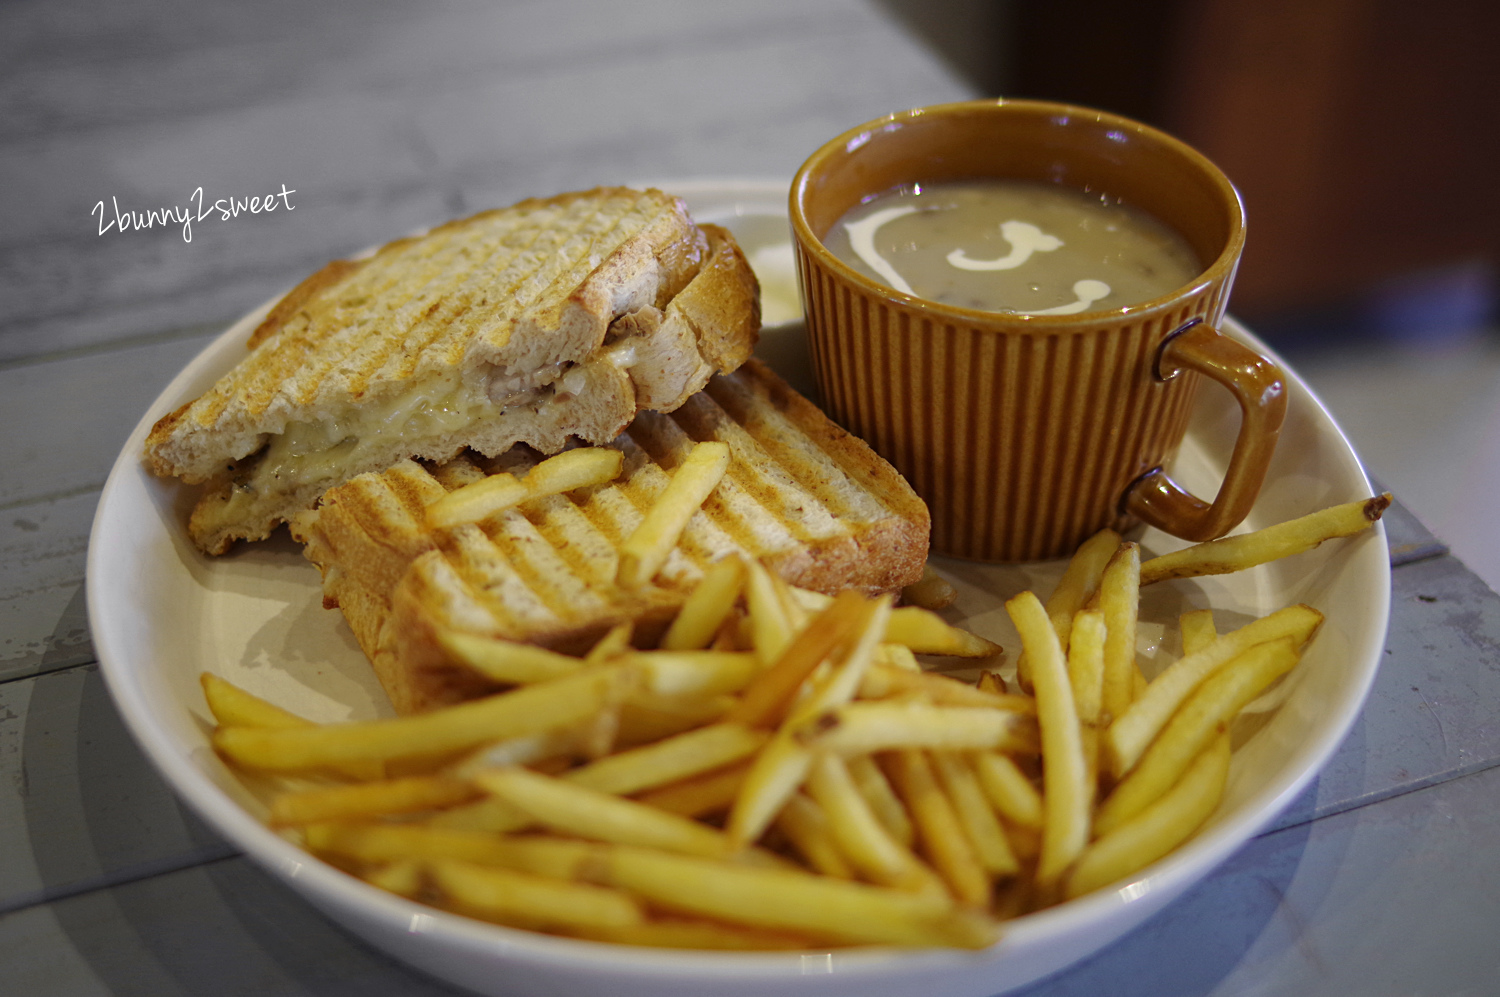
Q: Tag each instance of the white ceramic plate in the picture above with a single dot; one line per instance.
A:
(161, 613)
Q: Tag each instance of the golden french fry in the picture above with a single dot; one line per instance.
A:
(829, 909)
(840, 683)
(917, 629)
(589, 813)
(525, 710)
(701, 795)
(1086, 665)
(404, 877)
(684, 755)
(1128, 736)
(806, 826)
(931, 592)
(1157, 829)
(777, 772)
(1079, 582)
(940, 833)
(862, 727)
(1247, 550)
(859, 833)
(975, 815)
(1009, 791)
(1198, 630)
(1202, 717)
(562, 473)
(766, 698)
(491, 815)
(770, 624)
(234, 707)
(882, 799)
(692, 674)
(1119, 601)
(579, 468)
(1067, 794)
(927, 633)
(376, 843)
(477, 500)
(505, 661)
(532, 901)
(370, 799)
(882, 681)
(706, 607)
(646, 549)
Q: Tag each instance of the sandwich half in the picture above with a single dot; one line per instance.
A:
(801, 494)
(550, 320)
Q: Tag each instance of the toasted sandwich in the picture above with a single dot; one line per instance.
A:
(536, 324)
(801, 494)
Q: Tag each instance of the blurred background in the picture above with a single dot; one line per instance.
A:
(1364, 136)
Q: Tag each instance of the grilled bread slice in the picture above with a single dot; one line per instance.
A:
(541, 322)
(814, 502)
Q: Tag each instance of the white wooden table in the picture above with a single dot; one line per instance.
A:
(1384, 878)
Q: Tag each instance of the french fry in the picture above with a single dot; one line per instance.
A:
(918, 629)
(1246, 550)
(1156, 830)
(234, 707)
(940, 833)
(707, 607)
(927, 633)
(700, 795)
(692, 674)
(766, 699)
(369, 799)
(975, 816)
(1078, 584)
(863, 727)
(1067, 794)
(832, 910)
(1203, 716)
(626, 773)
(530, 901)
(588, 813)
(775, 774)
(840, 683)
(404, 878)
(770, 624)
(646, 549)
(860, 835)
(1009, 791)
(1119, 601)
(877, 792)
(806, 826)
(526, 710)
(887, 680)
(487, 496)
(1086, 674)
(1128, 736)
(504, 661)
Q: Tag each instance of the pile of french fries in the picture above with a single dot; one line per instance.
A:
(781, 773)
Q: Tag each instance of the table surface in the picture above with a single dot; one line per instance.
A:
(1383, 878)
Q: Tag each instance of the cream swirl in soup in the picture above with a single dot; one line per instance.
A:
(1013, 246)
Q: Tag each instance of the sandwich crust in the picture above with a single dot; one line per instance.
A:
(553, 319)
(801, 494)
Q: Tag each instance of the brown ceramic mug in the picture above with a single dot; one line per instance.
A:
(1025, 434)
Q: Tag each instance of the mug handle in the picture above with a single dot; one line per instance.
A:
(1260, 388)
